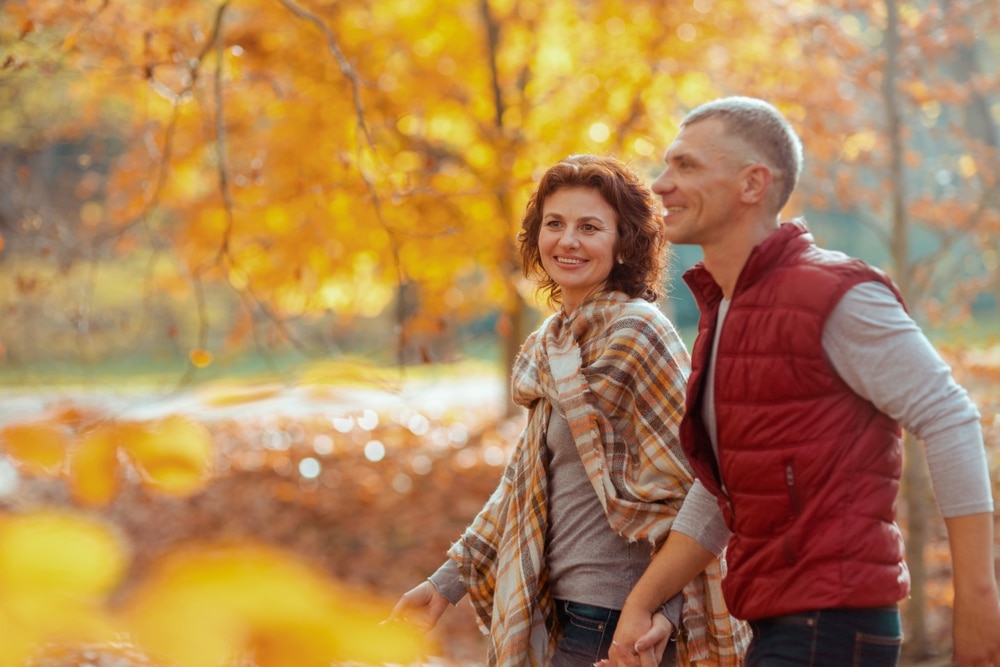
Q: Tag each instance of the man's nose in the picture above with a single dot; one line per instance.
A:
(663, 183)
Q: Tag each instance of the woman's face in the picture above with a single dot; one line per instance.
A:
(577, 242)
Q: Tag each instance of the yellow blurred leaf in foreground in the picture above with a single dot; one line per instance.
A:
(172, 454)
(202, 607)
(37, 447)
(56, 569)
(93, 467)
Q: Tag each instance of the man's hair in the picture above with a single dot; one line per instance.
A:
(642, 245)
(765, 130)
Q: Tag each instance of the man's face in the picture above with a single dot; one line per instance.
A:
(699, 186)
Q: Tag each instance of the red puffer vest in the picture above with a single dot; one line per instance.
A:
(810, 469)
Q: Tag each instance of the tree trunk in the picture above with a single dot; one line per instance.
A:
(512, 330)
(914, 484)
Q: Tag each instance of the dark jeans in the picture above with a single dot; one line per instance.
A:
(587, 635)
(828, 638)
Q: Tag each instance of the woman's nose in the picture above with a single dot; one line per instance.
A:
(568, 239)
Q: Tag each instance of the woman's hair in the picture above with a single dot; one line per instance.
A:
(642, 245)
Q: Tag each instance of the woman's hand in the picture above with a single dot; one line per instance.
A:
(421, 607)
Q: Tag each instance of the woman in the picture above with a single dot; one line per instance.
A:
(598, 474)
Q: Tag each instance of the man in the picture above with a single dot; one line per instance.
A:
(805, 366)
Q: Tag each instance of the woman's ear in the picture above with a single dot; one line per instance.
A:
(756, 183)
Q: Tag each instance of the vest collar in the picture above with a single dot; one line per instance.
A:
(765, 256)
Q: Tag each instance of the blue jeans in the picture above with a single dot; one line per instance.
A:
(828, 638)
(587, 635)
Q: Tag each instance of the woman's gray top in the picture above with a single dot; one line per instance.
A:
(588, 562)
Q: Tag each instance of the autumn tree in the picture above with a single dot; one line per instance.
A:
(325, 161)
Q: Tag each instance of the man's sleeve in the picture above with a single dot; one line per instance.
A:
(882, 354)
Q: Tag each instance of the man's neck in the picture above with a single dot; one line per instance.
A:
(725, 259)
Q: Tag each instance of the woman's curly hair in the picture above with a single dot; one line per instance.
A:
(642, 245)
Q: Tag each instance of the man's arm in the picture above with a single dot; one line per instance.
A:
(698, 536)
(884, 357)
(976, 617)
(679, 560)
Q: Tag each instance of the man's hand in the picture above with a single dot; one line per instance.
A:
(976, 616)
(640, 640)
(976, 630)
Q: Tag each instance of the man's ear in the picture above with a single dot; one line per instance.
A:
(756, 183)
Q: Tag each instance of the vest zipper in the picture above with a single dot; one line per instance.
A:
(796, 509)
(792, 491)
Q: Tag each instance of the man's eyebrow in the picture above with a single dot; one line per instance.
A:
(677, 155)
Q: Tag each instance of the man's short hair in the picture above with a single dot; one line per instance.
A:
(765, 130)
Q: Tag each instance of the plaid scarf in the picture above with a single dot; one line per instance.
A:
(618, 369)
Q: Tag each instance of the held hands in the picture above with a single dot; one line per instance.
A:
(640, 640)
(420, 607)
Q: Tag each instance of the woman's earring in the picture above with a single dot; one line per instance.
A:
(620, 260)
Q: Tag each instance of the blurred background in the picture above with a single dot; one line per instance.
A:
(290, 224)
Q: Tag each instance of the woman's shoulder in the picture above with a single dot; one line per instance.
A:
(641, 312)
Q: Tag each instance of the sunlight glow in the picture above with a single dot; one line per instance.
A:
(458, 434)
(309, 468)
(402, 483)
(494, 455)
(8, 478)
(323, 444)
(599, 132)
(343, 424)
(368, 419)
(374, 451)
(418, 424)
(687, 32)
(421, 464)
(967, 166)
(643, 146)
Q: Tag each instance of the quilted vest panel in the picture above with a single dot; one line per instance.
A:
(810, 469)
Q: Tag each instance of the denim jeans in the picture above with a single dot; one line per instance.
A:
(587, 635)
(828, 638)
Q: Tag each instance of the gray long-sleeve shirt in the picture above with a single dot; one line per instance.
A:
(883, 356)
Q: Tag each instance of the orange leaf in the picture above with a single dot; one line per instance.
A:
(200, 358)
(38, 447)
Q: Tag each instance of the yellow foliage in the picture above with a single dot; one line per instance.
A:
(201, 608)
(56, 569)
(59, 553)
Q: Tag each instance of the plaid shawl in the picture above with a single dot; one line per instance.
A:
(618, 369)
